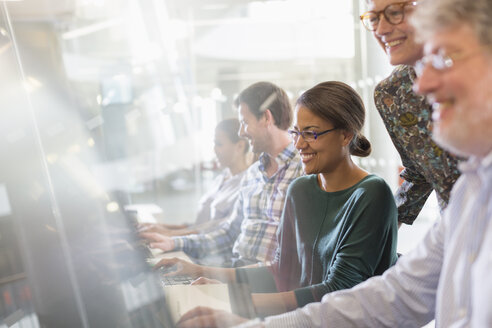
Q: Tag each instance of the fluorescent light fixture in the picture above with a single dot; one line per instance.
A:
(112, 207)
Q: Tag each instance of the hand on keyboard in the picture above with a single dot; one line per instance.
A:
(157, 240)
(169, 276)
(180, 268)
(165, 270)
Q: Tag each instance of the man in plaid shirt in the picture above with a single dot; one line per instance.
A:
(249, 235)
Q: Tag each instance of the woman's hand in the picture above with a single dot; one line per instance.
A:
(158, 241)
(207, 317)
(181, 268)
(195, 271)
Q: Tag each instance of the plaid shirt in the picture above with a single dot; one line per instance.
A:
(250, 232)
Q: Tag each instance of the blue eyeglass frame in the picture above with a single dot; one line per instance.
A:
(295, 134)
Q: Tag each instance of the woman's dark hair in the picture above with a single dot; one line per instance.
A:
(341, 105)
(230, 127)
(261, 96)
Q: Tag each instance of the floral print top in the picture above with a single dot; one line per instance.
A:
(427, 167)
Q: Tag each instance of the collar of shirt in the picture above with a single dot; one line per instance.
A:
(226, 173)
(480, 167)
(282, 159)
(476, 163)
(411, 73)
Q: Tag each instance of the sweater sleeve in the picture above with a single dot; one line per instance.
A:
(260, 280)
(286, 268)
(367, 238)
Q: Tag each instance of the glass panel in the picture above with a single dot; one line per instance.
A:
(80, 252)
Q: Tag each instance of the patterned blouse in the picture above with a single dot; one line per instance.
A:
(427, 167)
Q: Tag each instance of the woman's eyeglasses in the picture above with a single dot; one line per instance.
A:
(393, 13)
(308, 136)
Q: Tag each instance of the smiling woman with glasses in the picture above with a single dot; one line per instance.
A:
(406, 115)
(338, 227)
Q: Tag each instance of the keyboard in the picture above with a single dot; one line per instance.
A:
(176, 280)
(173, 280)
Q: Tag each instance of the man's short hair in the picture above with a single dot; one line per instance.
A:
(431, 16)
(261, 96)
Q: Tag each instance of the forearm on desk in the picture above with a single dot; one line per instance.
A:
(201, 245)
(182, 232)
(174, 226)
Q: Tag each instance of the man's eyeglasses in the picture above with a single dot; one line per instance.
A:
(308, 136)
(393, 13)
(441, 61)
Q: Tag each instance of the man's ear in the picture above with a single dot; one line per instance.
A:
(269, 117)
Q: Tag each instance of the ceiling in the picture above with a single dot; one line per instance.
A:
(202, 44)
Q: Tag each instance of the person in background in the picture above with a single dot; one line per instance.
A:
(447, 277)
(248, 235)
(217, 203)
(407, 115)
(339, 224)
